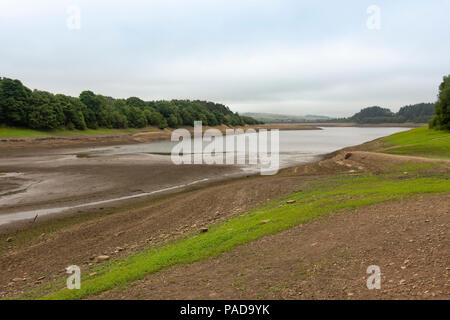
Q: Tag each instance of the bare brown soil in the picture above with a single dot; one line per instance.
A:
(324, 259)
(39, 252)
(130, 230)
(60, 180)
(12, 145)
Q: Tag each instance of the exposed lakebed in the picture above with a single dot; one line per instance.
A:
(45, 183)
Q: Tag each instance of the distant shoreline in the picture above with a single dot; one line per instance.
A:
(151, 134)
(316, 125)
(119, 137)
(366, 125)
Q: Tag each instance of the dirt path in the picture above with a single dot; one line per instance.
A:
(324, 259)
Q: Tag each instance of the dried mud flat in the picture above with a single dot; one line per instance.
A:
(40, 183)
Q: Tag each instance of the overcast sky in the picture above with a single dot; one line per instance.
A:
(291, 57)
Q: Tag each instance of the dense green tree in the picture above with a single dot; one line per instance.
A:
(118, 120)
(373, 112)
(420, 113)
(46, 117)
(135, 102)
(14, 102)
(19, 106)
(136, 117)
(90, 100)
(156, 119)
(188, 116)
(172, 121)
(442, 119)
(163, 124)
(211, 118)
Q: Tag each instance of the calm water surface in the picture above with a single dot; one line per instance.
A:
(296, 146)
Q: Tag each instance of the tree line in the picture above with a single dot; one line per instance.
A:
(416, 113)
(36, 109)
(441, 120)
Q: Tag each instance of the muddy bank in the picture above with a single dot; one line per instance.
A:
(48, 185)
(21, 145)
(47, 182)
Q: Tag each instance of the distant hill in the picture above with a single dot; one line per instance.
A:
(280, 118)
(417, 113)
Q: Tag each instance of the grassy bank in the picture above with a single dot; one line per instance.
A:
(9, 132)
(421, 142)
(318, 199)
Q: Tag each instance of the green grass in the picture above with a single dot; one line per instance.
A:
(421, 142)
(319, 198)
(8, 132)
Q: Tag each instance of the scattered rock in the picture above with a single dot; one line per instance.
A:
(102, 258)
(19, 279)
(119, 233)
(347, 155)
(203, 230)
(41, 278)
(291, 201)
(92, 274)
(266, 221)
